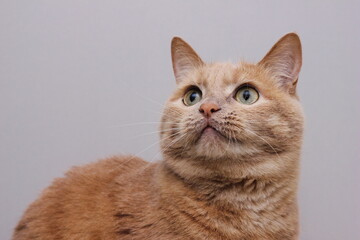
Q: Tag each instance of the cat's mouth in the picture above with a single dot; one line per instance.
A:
(209, 130)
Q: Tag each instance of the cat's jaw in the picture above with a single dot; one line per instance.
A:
(269, 166)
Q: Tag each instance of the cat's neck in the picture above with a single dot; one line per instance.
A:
(234, 184)
(237, 206)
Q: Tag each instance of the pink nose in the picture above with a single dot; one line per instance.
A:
(208, 108)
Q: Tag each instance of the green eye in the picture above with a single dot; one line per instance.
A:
(192, 97)
(247, 95)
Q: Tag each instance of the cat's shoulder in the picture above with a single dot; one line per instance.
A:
(96, 175)
(106, 169)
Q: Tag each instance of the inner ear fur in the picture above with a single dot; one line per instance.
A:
(284, 61)
(184, 58)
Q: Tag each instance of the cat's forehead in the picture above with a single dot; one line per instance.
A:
(218, 75)
(224, 76)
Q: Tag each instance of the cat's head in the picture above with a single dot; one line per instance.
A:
(239, 111)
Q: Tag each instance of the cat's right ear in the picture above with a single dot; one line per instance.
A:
(284, 61)
(184, 58)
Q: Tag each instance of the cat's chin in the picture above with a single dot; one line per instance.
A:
(210, 134)
(212, 144)
(211, 137)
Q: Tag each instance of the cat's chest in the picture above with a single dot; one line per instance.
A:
(196, 224)
(232, 214)
(173, 211)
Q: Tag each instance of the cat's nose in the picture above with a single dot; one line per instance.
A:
(208, 108)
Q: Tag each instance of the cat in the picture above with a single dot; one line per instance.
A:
(231, 137)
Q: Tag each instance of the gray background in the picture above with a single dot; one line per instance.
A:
(74, 76)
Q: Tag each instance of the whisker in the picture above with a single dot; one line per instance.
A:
(265, 142)
(135, 124)
(229, 141)
(162, 112)
(186, 145)
(171, 143)
(142, 95)
(148, 147)
(161, 131)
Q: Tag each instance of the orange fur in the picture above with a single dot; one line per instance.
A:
(238, 180)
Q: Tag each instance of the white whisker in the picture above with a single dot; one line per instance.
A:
(148, 147)
(265, 142)
(136, 124)
(160, 131)
(170, 144)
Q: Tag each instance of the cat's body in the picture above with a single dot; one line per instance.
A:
(230, 167)
(120, 199)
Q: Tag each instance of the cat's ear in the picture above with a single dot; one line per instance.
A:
(284, 61)
(184, 58)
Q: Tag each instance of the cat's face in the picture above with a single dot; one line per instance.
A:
(231, 111)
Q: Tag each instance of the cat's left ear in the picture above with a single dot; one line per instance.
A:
(184, 58)
(284, 61)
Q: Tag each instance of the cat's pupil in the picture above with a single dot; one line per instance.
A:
(246, 95)
(193, 97)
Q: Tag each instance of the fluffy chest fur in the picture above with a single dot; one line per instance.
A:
(240, 209)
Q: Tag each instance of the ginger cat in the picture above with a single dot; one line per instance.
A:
(230, 137)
